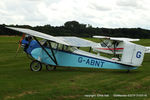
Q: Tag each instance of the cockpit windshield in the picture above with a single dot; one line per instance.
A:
(58, 46)
(106, 43)
(109, 43)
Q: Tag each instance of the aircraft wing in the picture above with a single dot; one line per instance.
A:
(38, 34)
(116, 38)
(78, 42)
(70, 41)
(124, 39)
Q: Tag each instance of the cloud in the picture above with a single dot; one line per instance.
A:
(100, 5)
(98, 13)
(128, 3)
(100, 8)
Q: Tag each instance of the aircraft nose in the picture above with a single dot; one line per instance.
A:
(24, 43)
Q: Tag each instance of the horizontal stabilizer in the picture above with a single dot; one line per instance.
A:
(147, 50)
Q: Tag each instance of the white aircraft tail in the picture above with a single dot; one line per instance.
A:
(133, 54)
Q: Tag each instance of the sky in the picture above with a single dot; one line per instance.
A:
(98, 13)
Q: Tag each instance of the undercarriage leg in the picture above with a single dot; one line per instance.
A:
(128, 70)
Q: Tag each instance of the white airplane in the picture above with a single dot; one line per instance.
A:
(113, 45)
(64, 52)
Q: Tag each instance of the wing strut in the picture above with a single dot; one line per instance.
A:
(114, 52)
(52, 52)
(106, 45)
(54, 60)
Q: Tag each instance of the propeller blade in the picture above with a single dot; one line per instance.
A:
(20, 44)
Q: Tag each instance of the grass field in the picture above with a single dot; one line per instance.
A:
(17, 82)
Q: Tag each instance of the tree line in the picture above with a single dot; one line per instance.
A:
(74, 28)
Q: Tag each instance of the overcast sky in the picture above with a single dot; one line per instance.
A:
(98, 13)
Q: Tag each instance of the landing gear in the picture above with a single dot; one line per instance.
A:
(128, 71)
(35, 66)
(49, 68)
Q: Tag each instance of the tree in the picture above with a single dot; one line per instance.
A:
(71, 24)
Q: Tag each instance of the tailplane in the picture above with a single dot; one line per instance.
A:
(147, 50)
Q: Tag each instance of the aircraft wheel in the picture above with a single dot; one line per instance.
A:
(35, 66)
(49, 68)
(128, 71)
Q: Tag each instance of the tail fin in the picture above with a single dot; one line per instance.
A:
(133, 54)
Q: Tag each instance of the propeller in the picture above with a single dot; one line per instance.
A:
(23, 35)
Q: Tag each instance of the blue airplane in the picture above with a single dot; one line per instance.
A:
(64, 52)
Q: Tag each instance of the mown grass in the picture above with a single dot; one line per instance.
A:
(17, 82)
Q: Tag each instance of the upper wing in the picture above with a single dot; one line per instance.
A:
(102, 37)
(70, 41)
(39, 34)
(117, 39)
(124, 39)
(78, 42)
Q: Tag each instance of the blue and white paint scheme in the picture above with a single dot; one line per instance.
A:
(65, 52)
(78, 58)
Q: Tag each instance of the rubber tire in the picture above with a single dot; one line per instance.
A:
(49, 68)
(32, 65)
